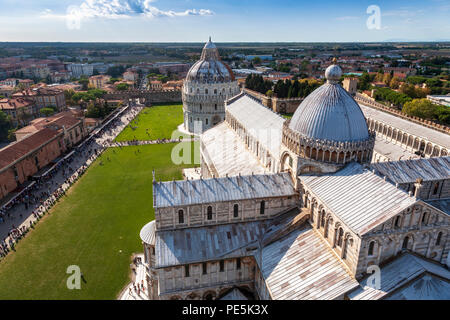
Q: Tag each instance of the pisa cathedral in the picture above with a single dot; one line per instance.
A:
(296, 209)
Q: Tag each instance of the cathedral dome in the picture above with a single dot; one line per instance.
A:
(330, 113)
(210, 68)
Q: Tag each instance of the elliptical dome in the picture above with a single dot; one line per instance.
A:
(330, 113)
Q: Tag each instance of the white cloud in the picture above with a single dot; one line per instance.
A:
(115, 9)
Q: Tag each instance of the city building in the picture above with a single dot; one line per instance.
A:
(46, 96)
(208, 84)
(295, 209)
(100, 81)
(155, 85)
(80, 69)
(72, 126)
(130, 76)
(6, 91)
(11, 82)
(21, 110)
(20, 160)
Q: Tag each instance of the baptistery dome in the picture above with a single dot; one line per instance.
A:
(330, 113)
(208, 84)
(210, 68)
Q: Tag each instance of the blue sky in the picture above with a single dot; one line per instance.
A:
(225, 21)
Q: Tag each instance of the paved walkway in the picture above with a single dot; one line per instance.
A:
(129, 293)
(192, 173)
(21, 216)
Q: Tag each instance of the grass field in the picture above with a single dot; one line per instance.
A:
(160, 120)
(95, 227)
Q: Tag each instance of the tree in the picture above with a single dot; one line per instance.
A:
(68, 94)
(443, 114)
(122, 86)
(115, 71)
(5, 126)
(84, 82)
(395, 83)
(256, 60)
(93, 111)
(364, 81)
(387, 78)
(47, 111)
(422, 108)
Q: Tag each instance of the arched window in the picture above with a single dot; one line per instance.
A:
(344, 251)
(340, 236)
(209, 212)
(236, 210)
(438, 239)
(371, 247)
(262, 207)
(206, 121)
(436, 188)
(206, 91)
(215, 91)
(405, 243)
(198, 90)
(201, 107)
(322, 220)
(215, 107)
(424, 217)
(398, 222)
(180, 216)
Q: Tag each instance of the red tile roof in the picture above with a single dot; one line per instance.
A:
(14, 103)
(17, 150)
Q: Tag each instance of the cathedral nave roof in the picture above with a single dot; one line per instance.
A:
(200, 191)
(408, 171)
(262, 123)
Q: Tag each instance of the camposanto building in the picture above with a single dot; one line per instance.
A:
(293, 209)
(208, 84)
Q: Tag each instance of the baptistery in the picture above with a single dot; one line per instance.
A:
(327, 130)
(208, 84)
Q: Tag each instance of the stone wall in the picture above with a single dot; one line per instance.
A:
(426, 123)
(222, 212)
(146, 96)
(198, 280)
(421, 223)
(280, 105)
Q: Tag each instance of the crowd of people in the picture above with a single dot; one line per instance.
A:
(136, 142)
(137, 287)
(39, 196)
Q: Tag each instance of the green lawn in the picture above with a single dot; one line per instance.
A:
(160, 120)
(96, 226)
